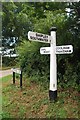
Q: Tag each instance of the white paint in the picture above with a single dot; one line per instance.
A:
(64, 49)
(53, 65)
(39, 37)
(45, 50)
(16, 70)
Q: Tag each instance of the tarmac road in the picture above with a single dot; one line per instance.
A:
(4, 73)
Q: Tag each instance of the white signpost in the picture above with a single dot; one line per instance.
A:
(16, 70)
(52, 50)
(45, 50)
(39, 37)
(66, 49)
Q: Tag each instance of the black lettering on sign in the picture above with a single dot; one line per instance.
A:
(46, 51)
(39, 39)
(46, 40)
(43, 49)
(33, 38)
(39, 35)
(59, 48)
(65, 50)
(66, 47)
(45, 36)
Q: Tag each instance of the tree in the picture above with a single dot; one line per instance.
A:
(43, 20)
(40, 17)
(16, 23)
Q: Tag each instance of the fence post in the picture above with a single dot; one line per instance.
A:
(13, 77)
(21, 79)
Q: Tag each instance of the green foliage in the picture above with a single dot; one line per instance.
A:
(19, 18)
(8, 61)
(16, 22)
(29, 56)
(32, 62)
(69, 77)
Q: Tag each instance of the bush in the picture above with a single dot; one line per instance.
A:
(35, 65)
(8, 61)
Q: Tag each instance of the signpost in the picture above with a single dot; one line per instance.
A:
(45, 50)
(39, 37)
(19, 72)
(52, 50)
(65, 49)
(16, 70)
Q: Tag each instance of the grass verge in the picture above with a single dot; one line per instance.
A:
(33, 101)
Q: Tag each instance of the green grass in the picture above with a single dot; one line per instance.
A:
(33, 101)
(6, 78)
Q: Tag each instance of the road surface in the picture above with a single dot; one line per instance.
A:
(4, 73)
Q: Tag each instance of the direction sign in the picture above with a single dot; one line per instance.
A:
(16, 70)
(52, 50)
(65, 49)
(34, 36)
(45, 50)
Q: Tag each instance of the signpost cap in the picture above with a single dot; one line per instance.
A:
(53, 29)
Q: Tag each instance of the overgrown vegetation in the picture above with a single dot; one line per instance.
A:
(40, 17)
(33, 101)
(36, 66)
(8, 62)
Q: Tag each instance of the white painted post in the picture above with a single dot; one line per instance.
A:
(53, 67)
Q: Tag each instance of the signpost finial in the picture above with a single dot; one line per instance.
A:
(53, 29)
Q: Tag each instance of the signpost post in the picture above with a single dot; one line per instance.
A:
(53, 67)
(52, 50)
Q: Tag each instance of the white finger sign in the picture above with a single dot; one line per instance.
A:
(65, 49)
(39, 37)
(45, 50)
